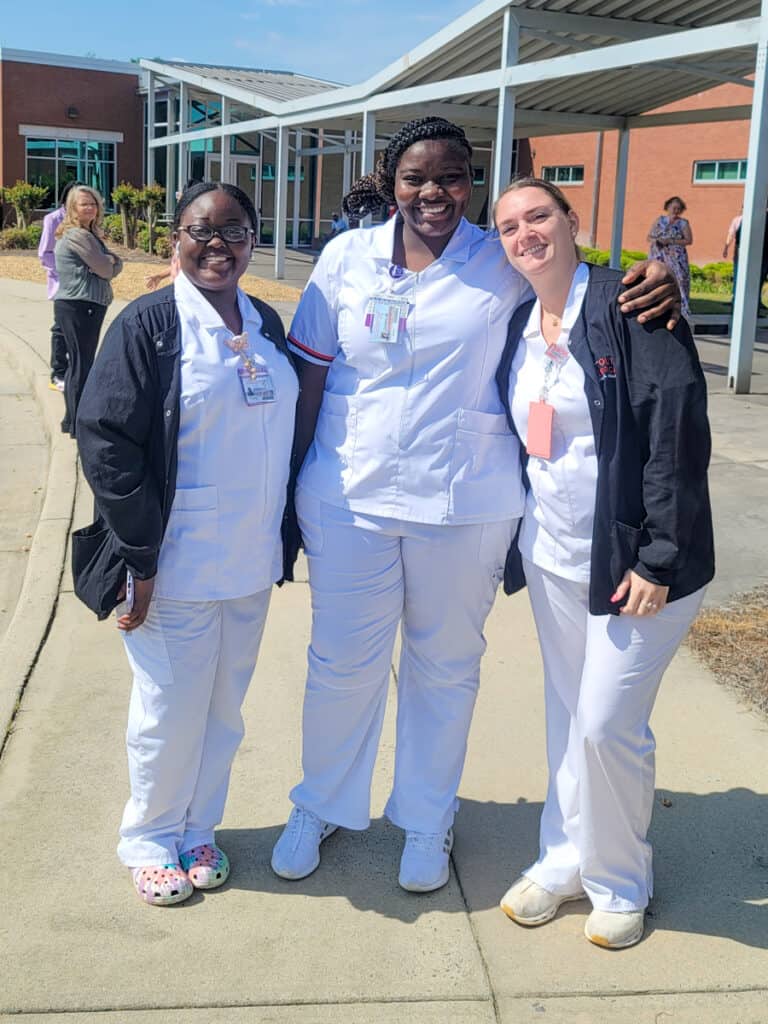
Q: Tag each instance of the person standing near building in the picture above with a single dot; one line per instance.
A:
(407, 500)
(669, 237)
(617, 548)
(45, 253)
(85, 267)
(185, 430)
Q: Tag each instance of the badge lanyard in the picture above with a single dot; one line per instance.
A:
(386, 315)
(541, 414)
(255, 379)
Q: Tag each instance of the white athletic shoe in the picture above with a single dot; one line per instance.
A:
(424, 865)
(613, 929)
(297, 852)
(530, 904)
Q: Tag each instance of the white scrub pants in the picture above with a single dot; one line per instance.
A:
(192, 662)
(601, 677)
(367, 574)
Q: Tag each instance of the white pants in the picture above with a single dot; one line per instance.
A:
(192, 662)
(601, 677)
(366, 575)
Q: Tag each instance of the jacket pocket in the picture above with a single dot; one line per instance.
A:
(97, 570)
(625, 544)
(336, 429)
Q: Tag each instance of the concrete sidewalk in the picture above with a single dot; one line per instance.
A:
(347, 945)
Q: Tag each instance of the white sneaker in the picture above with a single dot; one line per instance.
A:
(297, 851)
(614, 929)
(530, 904)
(424, 865)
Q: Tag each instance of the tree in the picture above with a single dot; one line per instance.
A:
(24, 198)
(127, 198)
(152, 198)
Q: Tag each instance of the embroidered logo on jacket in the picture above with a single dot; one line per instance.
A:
(605, 368)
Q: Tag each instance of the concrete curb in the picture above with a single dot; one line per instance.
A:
(27, 631)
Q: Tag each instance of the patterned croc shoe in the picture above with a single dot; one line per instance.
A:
(207, 866)
(162, 886)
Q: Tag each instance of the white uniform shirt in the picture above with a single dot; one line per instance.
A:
(223, 535)
(414, 429)
(556, 534)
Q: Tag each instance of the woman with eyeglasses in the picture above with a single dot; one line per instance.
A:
(185, 430)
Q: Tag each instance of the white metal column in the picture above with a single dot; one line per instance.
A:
(227, 164)
(505, 119)
(346, 172)
(747, 292)
(150, 170)
(297, 189)
(183, 122)
(368, 155)
(619, 197)
(281, 199)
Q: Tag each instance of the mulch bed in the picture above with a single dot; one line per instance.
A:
(732, 641)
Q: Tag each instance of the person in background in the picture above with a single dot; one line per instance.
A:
(617, 549)
(669, 237)
(339, 223)
(761, 308)
(185, 430)
(408, 497)
(45, 253)
(730, 239)
(85, 267)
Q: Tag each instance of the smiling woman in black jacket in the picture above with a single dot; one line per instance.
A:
(615, 547)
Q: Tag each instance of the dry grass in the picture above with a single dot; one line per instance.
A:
(24, 266)
(733, 643)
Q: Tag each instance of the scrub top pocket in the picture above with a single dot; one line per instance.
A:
(483, 446)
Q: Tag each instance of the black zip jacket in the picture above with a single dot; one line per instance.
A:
(127, 433)
(648, 404)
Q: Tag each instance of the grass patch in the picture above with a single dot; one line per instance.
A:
(732, 641)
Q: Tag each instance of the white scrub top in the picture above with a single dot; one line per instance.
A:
(223, 536)
(412, 429)
(556, 534)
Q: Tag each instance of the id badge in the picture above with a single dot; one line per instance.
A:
(258, 388)
(540, 417)
(385, 318)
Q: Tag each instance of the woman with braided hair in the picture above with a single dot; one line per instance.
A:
(408, 498)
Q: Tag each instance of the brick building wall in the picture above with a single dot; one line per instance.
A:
(660, 165)
(40, 94)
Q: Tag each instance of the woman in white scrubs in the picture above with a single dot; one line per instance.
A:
(185, 432)
(407, 501)
(616, 545)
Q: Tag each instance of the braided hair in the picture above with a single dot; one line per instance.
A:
(378, 189)
(189, 195)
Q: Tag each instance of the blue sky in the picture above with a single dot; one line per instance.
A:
(341, 40)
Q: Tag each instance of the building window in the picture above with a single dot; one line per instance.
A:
(478, 175)
(54, 162)
(573, 174)
(720, 172)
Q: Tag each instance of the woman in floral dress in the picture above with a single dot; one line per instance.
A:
(668, 237)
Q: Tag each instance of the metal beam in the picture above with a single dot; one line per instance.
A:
(587, 24)
(716, 114)
(505, 124)
(150, 154)
(747, 290)
(296, 190)
(368, 154)
(619, 198)
(183, 135)
(281, 201)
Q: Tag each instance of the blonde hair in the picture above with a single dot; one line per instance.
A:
(71, 219)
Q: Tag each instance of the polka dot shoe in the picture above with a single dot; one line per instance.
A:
(207, 866)
(162, 886)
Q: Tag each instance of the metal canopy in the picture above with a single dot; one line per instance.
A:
(524, 68)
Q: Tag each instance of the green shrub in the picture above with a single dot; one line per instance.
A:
(113, 227)
(127, 198)
(142, 236)
(24, 198)
(21, 238)
(163, 247)
(599, 257)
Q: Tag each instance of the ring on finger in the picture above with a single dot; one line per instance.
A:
(649, 604)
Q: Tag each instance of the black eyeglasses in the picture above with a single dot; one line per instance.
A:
(228, 233)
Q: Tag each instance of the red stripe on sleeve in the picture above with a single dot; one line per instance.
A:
(310, 351)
